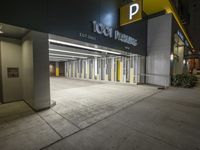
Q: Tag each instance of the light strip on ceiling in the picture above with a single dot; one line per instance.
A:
(65, 51)
(81, 46)
(52, 54)
(59, 57)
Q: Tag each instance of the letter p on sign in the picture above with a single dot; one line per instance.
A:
(131, 12)
(134, 9)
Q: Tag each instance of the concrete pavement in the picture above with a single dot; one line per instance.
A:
(137, 118)
(169, 120)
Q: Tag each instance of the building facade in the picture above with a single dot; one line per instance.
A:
(118, 41)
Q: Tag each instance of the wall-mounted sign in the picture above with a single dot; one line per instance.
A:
(109, 32)
(131, 12)
(13, 72)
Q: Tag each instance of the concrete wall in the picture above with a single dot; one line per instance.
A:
(27, 71)
(1, 87)
(31, 56)
(35, 64)
(11, 58)
(158, 50)
(41, 70)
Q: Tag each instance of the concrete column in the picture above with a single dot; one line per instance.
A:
(87, 69)
(70, 69)
(131, 76)
(83, 70)
(95, 68)
(105, 70)
(74, 68)
(99, 68)
(124, 69)
(112, 69)
(35, 70)
(65, 69)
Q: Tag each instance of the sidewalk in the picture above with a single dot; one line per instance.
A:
(169, 120)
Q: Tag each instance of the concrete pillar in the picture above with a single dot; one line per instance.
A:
(99, 68)
(131, 76)
(105, 70)
(121, 71)
(95, 68)
(65, 69)
(124, 70)
(87, 70)
(35, 70)
(70, 69)
(83, 70)
(112, 69)
(74, 68)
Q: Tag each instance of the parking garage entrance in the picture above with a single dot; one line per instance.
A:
(91, 62)
(97, 81)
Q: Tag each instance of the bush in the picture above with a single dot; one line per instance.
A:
(184, 80)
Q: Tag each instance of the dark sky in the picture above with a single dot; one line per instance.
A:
(194, 21)
(189, 12)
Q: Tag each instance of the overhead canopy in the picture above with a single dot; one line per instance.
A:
(154, 6)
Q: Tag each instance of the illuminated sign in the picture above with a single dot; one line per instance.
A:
(109, 32)
(131, 12)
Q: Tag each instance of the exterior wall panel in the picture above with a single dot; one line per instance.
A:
(159, 50)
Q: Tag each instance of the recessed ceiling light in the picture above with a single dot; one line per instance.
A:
(72, 52)
(52, 54)
(83, 47)
(1, 31)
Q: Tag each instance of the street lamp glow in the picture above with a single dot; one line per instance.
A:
(172, 57)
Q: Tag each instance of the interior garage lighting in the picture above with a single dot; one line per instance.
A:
(1, 29)
(81, 46)
(57, 57)
(65, 51)
(51, 54)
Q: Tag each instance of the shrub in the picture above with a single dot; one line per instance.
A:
(184, 80)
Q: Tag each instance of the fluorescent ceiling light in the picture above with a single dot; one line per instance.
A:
(51, 54)
(57, 57)
(65, 51)
(1, 31)
(81, 46)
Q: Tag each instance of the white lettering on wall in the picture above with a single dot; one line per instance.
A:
(101, 29)
(134, 8)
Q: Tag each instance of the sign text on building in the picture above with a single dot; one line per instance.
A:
(115, 34)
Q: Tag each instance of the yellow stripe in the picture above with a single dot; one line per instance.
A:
(118, 70)
(57, 72)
